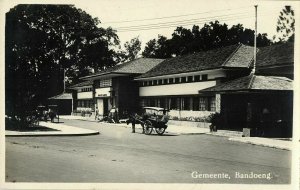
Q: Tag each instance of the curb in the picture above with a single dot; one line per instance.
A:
(61, 130)
(40, 135)
(260, 144)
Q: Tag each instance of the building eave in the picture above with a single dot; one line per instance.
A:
(106, 75)
(181, 74)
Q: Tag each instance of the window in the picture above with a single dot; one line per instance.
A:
(183, 79)
(162, 102)
(105, 83)
(178, 103)
(159, 82)
(171, 80)
(152, 102)
(176, 80)
(196, 104)
(155, 82)
(146, 102)
(91, 104)
(204, 77)
(212, 104)
(203, 103)
(173, 103)
(186, 103)
(143, 103)
(150, 83)
(197, 78)
(86, 90)
(165, 81)
(190, 79)
(97, 84)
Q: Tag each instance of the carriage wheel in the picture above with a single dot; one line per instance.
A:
(148, 127)
(160, 131)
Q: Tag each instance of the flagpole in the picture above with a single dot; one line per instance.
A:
(64, 80)
(255, 36)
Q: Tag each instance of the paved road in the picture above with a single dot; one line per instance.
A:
(116, 155)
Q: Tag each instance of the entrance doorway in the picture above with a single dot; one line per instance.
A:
(105, 106)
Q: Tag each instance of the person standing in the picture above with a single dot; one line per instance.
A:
(266, 120)
(132, 120)
(96, 113)
(133, 124)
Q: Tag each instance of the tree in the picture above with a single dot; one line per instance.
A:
(210, 36)
(43, 41)
(286, 25)
(157, 48)
(132, 48)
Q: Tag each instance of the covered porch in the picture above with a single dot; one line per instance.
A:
(263, 104)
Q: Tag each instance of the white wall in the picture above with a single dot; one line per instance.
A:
(103, 92)
(175, 89)
(100, 106)
(187, 113)
(85, 95)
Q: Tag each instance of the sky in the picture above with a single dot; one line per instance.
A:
(147, 19)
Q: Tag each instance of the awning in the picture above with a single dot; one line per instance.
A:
(252, 83)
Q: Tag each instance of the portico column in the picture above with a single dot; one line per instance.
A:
(218, 103)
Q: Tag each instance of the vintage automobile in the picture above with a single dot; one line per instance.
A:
(154, 117)
(42, 113)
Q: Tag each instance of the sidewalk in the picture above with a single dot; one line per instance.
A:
(186, 130)
(61, 130)
(232, 135)
(267, 142)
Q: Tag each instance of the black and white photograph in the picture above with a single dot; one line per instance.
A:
(151, 94)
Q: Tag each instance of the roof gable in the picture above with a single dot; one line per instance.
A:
(242, 57)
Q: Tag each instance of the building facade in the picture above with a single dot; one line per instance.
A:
(180, 84)
(247, 101)
(263, 100)
(174, 84)
(83, 97)
(116, 87)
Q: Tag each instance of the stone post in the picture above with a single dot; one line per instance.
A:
(218, 103)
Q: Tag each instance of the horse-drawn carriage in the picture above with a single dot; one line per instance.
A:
(50, 112)
(153, 118)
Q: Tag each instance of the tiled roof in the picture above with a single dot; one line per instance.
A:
(241, 58)
(137, 66)
(280, 54)
(84, 83)
(140, 65)
(63, 96)
(237, 55)
(253, 82)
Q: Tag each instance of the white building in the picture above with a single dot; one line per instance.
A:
(175, 83)
(83, 96)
